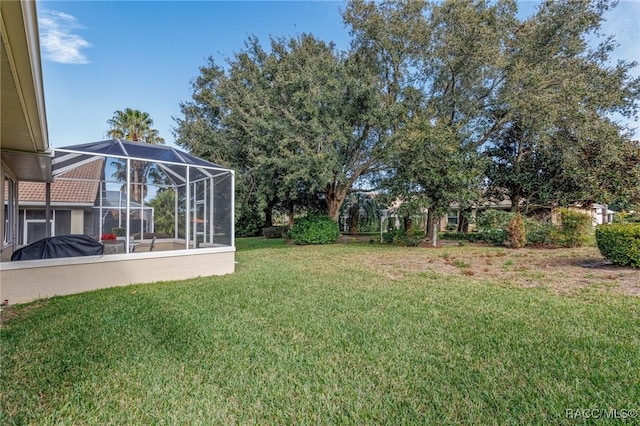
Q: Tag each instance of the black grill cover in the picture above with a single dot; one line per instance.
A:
(60, 246)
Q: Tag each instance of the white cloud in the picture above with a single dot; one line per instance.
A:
(57, 38)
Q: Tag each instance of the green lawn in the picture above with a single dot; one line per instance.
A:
(303, 335)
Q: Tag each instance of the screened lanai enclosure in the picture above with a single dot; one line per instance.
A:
(150, 197)
(159, 213)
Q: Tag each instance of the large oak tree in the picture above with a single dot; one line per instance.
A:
(424, 85)
(296, 121)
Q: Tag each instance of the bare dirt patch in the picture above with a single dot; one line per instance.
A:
(8, 312)
(563, 271)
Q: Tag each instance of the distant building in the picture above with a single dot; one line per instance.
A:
(72, 200)
(76, 207)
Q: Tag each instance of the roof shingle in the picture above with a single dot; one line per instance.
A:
(81, 188)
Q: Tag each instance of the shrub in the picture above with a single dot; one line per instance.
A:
(574, 230)
(275, 231)
(449, 235)
(538, 232)
(492, 226)
(493, 219)
(627, 217)
(516, 233)
(119, 232)
(248, 224)
(620, 243)
(400, 237)
(314, 229)
(494, 236)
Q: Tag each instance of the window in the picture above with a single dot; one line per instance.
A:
(9, 210)
(34, 224)
(452, 217)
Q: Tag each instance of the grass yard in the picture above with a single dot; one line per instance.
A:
(341, 334)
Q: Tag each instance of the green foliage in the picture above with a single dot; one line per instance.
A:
(492, 227)
(164, 212)
(248, 223)
(433, 167)
(494, 236)
(516, 232)
(119, 232)
(400, 237)
(574, 230)
(626, 217)
(538, 231)
(493, 219)
(314, 229)
(287, 118)
(362, 213)
(133, 125)
(557, 143)
(620, 243)
(246, 227)
(452, 235)
(431, 99)
(136, 126)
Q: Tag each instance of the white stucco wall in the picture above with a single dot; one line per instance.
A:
(77, 221)
(25, 281)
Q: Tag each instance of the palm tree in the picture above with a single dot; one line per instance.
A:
(134, 125)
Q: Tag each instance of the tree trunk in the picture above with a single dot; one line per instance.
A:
(407, 222)
(434, 232)
(335, 194)
(291, 212)
(354, 218)
(463, 221)
(515, 204)
(268, 217)
(136, 187)
(430, 224)
(137, 171)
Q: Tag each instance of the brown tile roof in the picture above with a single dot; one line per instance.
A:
(66, 191)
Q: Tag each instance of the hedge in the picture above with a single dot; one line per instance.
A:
(314, 229)
(620, 243)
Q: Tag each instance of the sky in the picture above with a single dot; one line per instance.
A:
(99, 57)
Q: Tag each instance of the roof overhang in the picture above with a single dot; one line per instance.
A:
(23, 123)
(29, 167)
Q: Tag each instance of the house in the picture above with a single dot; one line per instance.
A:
(25, 153)
(75, 206)
(599, 213)
(72, 201)
(201, 193)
